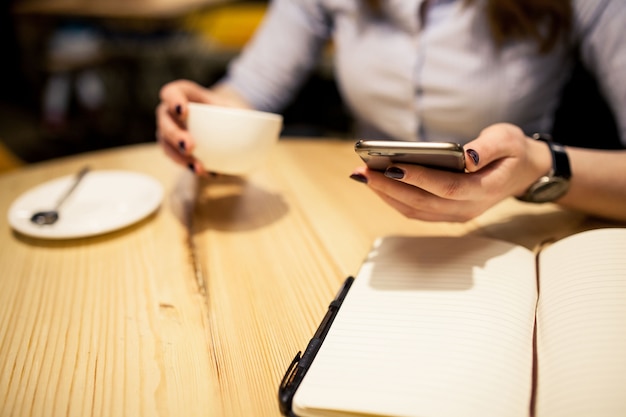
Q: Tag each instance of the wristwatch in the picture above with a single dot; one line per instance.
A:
(556, 183)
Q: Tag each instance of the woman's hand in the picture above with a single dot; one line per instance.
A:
(501, 162)
(172, 112)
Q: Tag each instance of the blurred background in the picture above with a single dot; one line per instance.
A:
(81, 75)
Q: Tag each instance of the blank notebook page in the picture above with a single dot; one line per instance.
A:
(431, 327)
(581, 326)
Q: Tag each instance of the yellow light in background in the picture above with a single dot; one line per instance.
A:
(8, 160)
(228, 26)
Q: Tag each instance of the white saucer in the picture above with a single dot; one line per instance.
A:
(102, 202)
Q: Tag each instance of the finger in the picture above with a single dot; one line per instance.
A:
(171, 132)
(444, 184)
(188, 161)
(403, 192)
(414, 202)
(177, 94)
(174, 153)
(493, 143)
(199, 169)
(397, 188)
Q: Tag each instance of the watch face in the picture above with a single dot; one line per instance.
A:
(548, 189)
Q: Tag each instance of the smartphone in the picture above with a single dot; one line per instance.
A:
(379, 154)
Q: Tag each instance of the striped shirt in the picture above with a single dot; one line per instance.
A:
(442, 79)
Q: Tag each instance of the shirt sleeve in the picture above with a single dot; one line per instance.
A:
(600, 28)
(282, 53)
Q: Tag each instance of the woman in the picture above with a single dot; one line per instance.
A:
(484, 73)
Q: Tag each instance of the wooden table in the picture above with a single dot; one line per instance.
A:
(198, 309)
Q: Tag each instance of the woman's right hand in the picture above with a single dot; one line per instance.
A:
(172, 112)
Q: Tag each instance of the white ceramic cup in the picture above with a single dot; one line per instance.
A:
(231, 140)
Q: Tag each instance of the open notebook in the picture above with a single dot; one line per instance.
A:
(470, 326)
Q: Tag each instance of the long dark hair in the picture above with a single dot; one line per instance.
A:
(544, 22)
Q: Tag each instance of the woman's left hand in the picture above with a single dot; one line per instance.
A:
(501, 162)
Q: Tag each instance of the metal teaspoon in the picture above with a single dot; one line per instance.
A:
(48, 217)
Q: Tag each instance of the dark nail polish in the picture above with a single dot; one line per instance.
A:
(473, 155)
(394, 172)
(182, 146)
(359, 178)
(191, 167)
(179, 109)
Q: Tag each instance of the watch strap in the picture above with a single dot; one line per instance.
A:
(560, 160)
(555, 183)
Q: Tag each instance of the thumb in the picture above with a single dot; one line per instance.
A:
(198, 94)
(207, 96)
(177, 94)
(493, 143)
